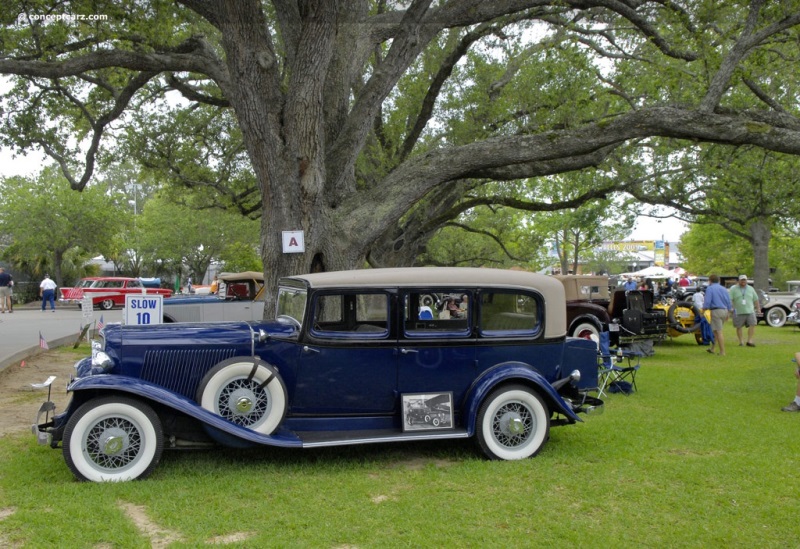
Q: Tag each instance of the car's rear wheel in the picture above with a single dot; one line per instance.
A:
(107, 304)
(247, 393)
(513, 423)
(585, 330)
(113, 439)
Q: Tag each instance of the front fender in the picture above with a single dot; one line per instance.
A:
(512, 372)
(112, 383)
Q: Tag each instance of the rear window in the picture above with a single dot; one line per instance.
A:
(508, 313)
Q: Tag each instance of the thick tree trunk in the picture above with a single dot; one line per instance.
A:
(760, 236)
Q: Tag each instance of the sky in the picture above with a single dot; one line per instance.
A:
(647, 228)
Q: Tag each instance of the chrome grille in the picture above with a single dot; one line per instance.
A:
(181, 370)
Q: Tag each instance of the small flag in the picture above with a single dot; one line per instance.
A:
(100, 324)
(42, 342)
(22, 364)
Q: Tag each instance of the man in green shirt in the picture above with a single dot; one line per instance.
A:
(745, 305)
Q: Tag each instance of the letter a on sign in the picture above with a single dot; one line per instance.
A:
(293, 242)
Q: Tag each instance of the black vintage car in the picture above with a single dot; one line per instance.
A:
(592, 308)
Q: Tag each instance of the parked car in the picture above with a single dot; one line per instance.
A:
(240, 297)
(685, 293)
(776, 306)
(108, 292)
(345, 361)
(628, 315)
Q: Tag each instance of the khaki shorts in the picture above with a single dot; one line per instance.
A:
(5, 291)
(744, 320)
(718, 318)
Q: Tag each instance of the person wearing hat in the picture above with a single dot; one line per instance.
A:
(47, 289)
(745, 306)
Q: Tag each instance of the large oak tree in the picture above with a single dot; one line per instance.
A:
(348, 114)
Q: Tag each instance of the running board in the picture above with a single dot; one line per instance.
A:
(318, 439)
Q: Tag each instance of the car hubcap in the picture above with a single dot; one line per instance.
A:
(243, 402)
(113, 443)
(513, 424)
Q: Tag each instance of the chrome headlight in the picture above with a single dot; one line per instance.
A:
(101, 361)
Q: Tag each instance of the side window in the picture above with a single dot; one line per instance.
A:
(510, 313)
(446, 312)
(351, 315)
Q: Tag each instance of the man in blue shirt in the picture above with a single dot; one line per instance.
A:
(630, 284)
(718, 301)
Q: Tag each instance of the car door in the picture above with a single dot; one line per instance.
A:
(347, 362)
(436, 355)
(511, 327)
(244, 300)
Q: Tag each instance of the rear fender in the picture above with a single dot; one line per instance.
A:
(516, 372)
(103, 384)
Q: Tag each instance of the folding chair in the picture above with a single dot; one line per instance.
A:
(614, 377)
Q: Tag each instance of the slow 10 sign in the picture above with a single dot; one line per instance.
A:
(143, 309)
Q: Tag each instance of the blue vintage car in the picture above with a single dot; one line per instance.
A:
(349, 359)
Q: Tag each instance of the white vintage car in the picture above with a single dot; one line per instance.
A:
(778, 307)
(240, 297)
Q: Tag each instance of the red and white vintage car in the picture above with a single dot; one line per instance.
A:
(108, 291)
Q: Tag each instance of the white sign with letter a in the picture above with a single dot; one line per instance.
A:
(294, 242)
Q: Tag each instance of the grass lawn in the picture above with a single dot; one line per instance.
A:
(701, 456)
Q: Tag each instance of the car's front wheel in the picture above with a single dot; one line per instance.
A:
(248, 394)
(775, 317)
(113, 439)
(107, 304)
(513, 423)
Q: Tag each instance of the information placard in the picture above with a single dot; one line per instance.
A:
(87, 307)
(143, 309)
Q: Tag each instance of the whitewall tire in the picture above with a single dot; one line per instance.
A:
(248, 394)
(513, 423)
(113, 439)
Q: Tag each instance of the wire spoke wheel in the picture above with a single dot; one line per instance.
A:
(243, 402)
(246, 393)
(113, 439)
(513, 423)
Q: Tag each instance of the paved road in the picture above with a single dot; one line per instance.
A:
(19, 331)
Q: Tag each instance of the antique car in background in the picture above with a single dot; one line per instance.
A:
(240, 297)
(777, 306)
(347, 360)
(629, 316)
(108, 292)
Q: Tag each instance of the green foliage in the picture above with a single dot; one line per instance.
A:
(52, 226)
(707, 248)
(177, 235)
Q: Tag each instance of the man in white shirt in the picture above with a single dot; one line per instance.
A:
(47, 289)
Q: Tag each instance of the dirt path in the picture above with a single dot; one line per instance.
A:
(19, 402)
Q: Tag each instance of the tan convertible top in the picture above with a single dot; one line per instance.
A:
(453, 277)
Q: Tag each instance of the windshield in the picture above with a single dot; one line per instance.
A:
(291, 303)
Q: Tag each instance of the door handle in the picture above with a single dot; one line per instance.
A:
(408, 351)
(307, 349)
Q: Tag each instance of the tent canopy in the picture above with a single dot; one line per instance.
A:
(651, 272)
